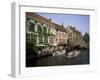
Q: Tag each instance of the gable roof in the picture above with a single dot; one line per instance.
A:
(40, 18)
(59, 27)
(73, 29)
(46, 21)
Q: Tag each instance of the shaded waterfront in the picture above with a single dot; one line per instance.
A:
(82, 58)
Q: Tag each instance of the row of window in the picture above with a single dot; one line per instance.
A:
(77, 38)
(40, 29)
(60, 40)
(61, 34)
(33, 38)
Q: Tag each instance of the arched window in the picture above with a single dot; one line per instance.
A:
(45, 30)
(32, 27)
(39, 29)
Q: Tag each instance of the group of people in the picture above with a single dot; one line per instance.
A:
(59, 50)
(54, 50)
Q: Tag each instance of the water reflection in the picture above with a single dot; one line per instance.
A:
(80, 57)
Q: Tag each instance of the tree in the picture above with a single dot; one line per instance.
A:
(86, 37)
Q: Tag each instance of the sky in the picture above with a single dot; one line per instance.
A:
(81, 22)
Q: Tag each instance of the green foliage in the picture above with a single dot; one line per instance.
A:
(86, 37)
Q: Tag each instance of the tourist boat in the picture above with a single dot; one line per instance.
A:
(73, 53)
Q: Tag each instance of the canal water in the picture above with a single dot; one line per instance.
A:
(82, 58)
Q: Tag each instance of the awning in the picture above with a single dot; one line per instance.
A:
(40, 45)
